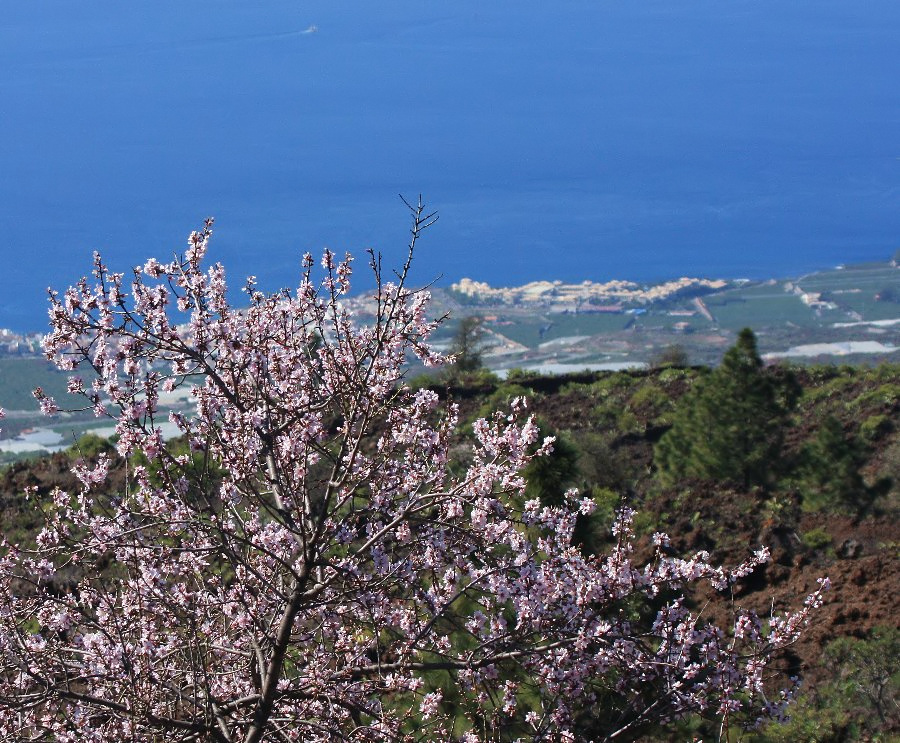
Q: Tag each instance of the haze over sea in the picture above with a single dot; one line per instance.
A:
(572, 140)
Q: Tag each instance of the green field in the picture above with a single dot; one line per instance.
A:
(855, 288)
(870, 278)
(742, 308)
(19, 376)
(527, 331)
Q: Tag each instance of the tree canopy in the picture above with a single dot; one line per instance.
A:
(345, 579)
(468, 344)
(731, 425)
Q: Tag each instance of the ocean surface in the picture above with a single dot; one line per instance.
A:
(572, 140)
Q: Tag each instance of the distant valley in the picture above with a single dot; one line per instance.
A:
(849, 314)
(844, 315)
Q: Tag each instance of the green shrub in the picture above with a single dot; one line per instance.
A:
(547, 478)
(89, 446)
(671, 373)
(7, 458)
(502, 397)
(886, 372)
(646, 522)
(423, 381)
(781, 510)
(628, 422)
(673, 355)
(829, 472)
(885, 395)
(890, 465)
(868, 675)
(467, 345)
(832, 387)
(816, 539)
(875, 427)
(809, 722)
(482, 377)
(859, 702)
(602, 466)
(202, 472)
(594, 531)
(517, 374)
(648, 395)
(653, 403)
(612, 383)
(608, 502)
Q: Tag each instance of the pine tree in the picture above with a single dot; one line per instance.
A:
(830, 471)
(467, 345)
(731, 426)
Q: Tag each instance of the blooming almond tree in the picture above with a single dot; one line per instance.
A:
(320, 568)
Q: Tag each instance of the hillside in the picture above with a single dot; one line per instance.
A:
(609, 425)
(612, 422)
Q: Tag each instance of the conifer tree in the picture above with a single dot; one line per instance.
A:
(731, 426)
(467, 344)
(830, 470)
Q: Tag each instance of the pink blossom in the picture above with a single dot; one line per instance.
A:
(47, 403)
(322, 556)
(430, 704)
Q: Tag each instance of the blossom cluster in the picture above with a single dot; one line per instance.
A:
(322, 566)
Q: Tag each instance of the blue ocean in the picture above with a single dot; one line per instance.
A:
(579, 139)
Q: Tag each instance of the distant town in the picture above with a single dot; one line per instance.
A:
(18, 344)
(587, 296)
(847, 315)
(849, 312)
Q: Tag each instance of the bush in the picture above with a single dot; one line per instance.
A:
(670, 356)
(859, 702)
(89, 446)
(875, 427)
(651, 401)
(885, 395)
(816, 539)
(519, 375)
(505, 393)
(867, 674)
(602, 466)
(829, 471)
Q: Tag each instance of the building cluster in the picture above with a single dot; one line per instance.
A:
(587, 296)
(813, 300)
(19, 344)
